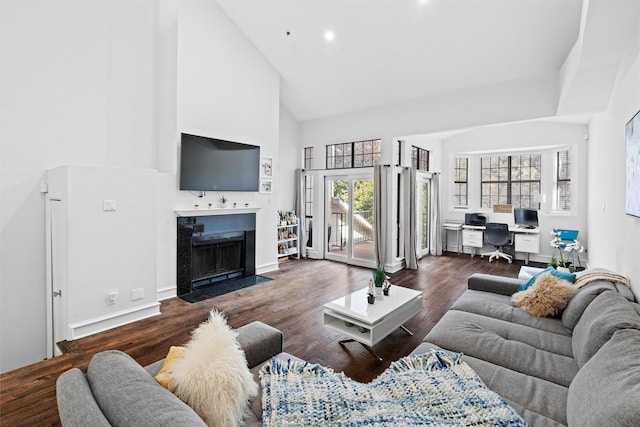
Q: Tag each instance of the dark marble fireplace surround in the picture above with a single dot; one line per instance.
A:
(214, 248)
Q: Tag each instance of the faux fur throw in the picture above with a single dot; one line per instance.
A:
(429, 389)
(598, 274)
(548, 296)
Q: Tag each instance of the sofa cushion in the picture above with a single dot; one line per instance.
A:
(548, 296)
(129, 396)
(606, 314)
(212, 375)
(606, 391)
(500, 307)
(581, 300)
(519, 348)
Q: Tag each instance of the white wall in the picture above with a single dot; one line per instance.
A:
(105, 251)
(226, 89)
(106, 83)
(76, 89)
(289, 159)
(615, 236)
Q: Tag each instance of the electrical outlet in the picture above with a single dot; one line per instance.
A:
(108, 205)
(137, 294)
(112, 297)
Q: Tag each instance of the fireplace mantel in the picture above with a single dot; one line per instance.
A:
(215, 211)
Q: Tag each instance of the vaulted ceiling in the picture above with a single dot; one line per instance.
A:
(392, 51)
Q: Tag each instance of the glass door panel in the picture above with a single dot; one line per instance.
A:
(349, 220)
(423, 215)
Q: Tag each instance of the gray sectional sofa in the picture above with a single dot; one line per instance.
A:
(580, 369)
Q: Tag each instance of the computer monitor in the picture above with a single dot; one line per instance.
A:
(527, 218)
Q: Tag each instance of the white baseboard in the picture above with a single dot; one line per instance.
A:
(167, 293)
(103, 323)
(267, 268)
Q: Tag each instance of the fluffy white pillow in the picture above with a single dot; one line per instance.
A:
(212, 376)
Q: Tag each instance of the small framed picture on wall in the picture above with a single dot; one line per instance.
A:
(265, 185)
(266, 166)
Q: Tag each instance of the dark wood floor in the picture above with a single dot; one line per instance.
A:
(292, 302)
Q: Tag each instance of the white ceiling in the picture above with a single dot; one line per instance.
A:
(390, 51)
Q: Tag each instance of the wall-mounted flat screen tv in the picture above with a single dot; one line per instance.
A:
(209, 164)
(632, 136)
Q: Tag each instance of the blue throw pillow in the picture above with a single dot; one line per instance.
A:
(569, 277)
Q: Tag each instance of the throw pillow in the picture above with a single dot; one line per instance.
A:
(212, 375)
(166, 373)
(569, 277)
(548, 296)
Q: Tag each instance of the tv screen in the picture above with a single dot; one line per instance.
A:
(525, 217)
(632, 137)
(208, 164)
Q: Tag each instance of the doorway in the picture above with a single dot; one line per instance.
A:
(349, 221)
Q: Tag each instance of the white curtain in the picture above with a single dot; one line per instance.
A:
(299, 206)
(410, 232)
(436, 226)
(380, 212)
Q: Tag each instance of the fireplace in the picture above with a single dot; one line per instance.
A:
(212, 249)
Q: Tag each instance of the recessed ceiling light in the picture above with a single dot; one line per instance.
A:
(329, 36)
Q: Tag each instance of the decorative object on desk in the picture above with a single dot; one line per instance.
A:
(370, 296)
(223, 202)
(502, 208)
(386, 286)
(378, 279)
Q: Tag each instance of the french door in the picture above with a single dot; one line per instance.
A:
(349, 224)
(423, 214)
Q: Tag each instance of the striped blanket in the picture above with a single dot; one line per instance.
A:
(429, 389)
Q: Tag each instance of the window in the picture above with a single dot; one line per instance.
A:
(510, 180)
(562, 200)
(419, 158)
(359, 154)
(308, 157)
(460, 182)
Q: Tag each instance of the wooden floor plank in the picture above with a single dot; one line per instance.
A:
(291, 302)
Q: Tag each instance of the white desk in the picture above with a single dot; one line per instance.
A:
(452, 226)
(525, 240)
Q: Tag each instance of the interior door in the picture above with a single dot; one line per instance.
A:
(56, 316)
(349, 230)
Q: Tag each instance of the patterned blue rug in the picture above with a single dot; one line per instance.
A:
(429, 389)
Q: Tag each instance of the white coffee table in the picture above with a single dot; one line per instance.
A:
(352, 314)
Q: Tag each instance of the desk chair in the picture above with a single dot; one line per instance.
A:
(498, 235)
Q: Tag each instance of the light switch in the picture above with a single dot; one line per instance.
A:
(108, 205)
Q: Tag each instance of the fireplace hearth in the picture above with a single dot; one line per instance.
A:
(208, 253)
